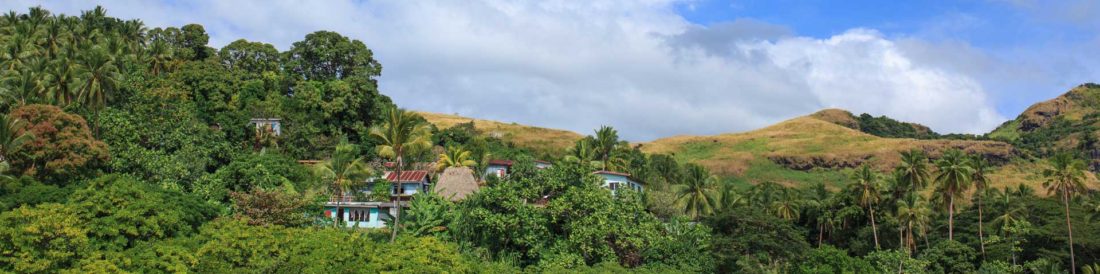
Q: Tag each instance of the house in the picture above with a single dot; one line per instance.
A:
(264, 123)
(357, 211)
(540, 164)
(498, 167)
(616, 180)
(456, 183)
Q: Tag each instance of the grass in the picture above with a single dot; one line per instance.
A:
(537, 139)
(806, 140)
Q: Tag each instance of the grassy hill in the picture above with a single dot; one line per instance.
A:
(808, 149)
(1062, 122)
(539, 140)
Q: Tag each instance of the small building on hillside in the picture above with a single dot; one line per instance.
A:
(617, 180)
(498, 168)
(357, 210)
(275, 124)
(540, 164)
(455, 183)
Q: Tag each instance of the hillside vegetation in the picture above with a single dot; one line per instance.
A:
(1068, 122)
(539, 140)
(810, 142)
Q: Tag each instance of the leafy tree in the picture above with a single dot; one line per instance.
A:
(867, 191)
(252, 57)
(429, 215)
(829, 259)
(344, 172)
(950, 257)
(266, 171)
(41, 239)
(896, 261)
(953, 179)
(120, 211)
(746, 233)
(273, 207)
(326, 55)
(401, 133)
(62, 150)
(1066, 178)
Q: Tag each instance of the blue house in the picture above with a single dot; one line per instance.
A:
(540, 164)
(355, 211)
(497, 168)
(264, 123)
(616, 180)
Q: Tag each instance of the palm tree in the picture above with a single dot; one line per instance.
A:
(912, 215)
(729, 198)
(1066, 177)
(9, 137)
(913, 170)
(455, 156)
(400, 133)
(788, 207)
(583, 151)
(606, 140)
(695, 192)
(1011, 214)
(345, 171)
(953, 179)
(866, 189)
(100, 79)
(980, 179)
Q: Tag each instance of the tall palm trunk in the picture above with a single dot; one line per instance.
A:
(874, 227)
(981, 237)
(820, 234)
(339, 203)
(950, 216)
(397, 200)
(1069, 230)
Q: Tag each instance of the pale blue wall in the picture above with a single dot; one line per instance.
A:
(623, 180)
(374, 217)
(492, 170)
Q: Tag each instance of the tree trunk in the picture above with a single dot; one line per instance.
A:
(950, 216)
(874, 228)
(1069, 229)
(981, 237)
(397, 200)
(820, 234)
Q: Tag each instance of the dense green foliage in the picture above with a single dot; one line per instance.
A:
(125, 149)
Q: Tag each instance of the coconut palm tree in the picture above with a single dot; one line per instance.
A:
(455, 156)
(867, 191)
(694, 194)
(100, 77)
(979, 176)
(1066, 177)
(345, 171)
(606, 140)
(788, 207)
(1011, 214)
(913, 215)
(9, 136)
(952, 179)
(400, 133)
(913, 170)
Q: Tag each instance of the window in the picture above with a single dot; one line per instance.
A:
(613, 186)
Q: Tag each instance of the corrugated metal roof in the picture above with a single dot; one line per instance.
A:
(408, 176)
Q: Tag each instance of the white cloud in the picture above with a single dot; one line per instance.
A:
(637, 66)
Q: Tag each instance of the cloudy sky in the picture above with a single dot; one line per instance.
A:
(655, 68)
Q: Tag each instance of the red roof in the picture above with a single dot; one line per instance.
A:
(500, 162)
(408, 176)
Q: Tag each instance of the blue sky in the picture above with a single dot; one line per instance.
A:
(657, 68)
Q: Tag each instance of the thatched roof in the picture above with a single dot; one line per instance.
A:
(455, 183)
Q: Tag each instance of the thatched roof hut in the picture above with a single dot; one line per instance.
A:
(455, 183)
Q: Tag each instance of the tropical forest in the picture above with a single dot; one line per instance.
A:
(128, 148)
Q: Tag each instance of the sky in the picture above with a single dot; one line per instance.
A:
(658, 68)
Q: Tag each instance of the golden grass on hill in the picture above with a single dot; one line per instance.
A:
(808, 142)
(540, 140)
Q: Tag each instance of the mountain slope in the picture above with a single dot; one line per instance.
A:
(537, 139)
(1058, 123)
(809, 142)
